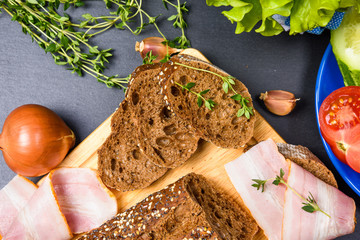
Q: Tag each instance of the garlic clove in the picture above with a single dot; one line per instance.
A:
(279, 102)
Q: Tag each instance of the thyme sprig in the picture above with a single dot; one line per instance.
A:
(200, 98)
(310, 204)
(178, 22)
(55, 34)
(228, 83)
(149, 58)
(68, 42)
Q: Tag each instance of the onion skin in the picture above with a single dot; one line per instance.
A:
(35, 140)
(154, 44)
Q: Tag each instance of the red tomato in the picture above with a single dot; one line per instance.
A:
(339, 117)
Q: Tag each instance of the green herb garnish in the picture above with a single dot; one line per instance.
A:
(228, 82)
(310, 204)
(149, 58)
(200, 98)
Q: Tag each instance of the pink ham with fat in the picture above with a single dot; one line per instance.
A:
(263, 161)
(83, 199)
(69, 200)
(278, 210)
(13, 197)
(301, 225)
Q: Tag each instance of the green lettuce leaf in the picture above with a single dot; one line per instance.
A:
(304, 14)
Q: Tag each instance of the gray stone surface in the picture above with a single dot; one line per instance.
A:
(28, 75)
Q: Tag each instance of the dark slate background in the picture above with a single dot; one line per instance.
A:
(28, 75)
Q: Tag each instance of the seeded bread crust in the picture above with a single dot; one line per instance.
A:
(220, 126)
(303, 157)
(163, 137)
(187, 209)
(121, 164)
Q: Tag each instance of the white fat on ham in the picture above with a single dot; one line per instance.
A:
(301, 225)
(263, 161)
(13, 197)
(83, 199)
(69, 200)
(40, 218)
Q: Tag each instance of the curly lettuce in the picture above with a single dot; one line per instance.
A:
(304, 14)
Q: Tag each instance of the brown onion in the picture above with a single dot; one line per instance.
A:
(154, 44)
(35, 140)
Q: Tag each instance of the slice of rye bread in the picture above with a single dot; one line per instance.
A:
(121, 164)
(190, 207)
(163, 137)
(303, 157)
(220, 126)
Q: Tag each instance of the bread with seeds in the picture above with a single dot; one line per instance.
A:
(187, 209)
(221, 125)
(121, 164)
(163, 137)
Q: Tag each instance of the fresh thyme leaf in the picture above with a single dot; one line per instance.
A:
(51, 48)
(211, 103)
(282, 173)
(32, 1)
(225, 87)
(279, 178)
(208, 105)
(149, 58)
(165, 4)
(231, 80)
(240, 112)
(165, 59)
(199, 101)
(308, 208)
(259, 184)
(172, 18)
(190, 85)
(236, 97)
(204, 92)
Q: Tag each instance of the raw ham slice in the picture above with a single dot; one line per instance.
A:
(13, 197)
(41, 218)
(263, 161)
(301, 225)
(84, 200)
(69, 200)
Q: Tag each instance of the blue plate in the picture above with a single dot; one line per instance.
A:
(329, 79)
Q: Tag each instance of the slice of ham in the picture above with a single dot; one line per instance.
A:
(13, 197)
(263, 161)
(68, 200)
(84, 200)
(301, 225)
(41, 217)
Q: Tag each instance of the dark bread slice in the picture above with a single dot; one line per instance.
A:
(188, 207)
(303, 157)
(163, 137)
(121, 164)
(220, 126)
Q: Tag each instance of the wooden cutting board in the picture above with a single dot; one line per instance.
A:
(208, 160)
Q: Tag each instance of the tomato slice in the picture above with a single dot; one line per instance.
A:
(339, 118)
